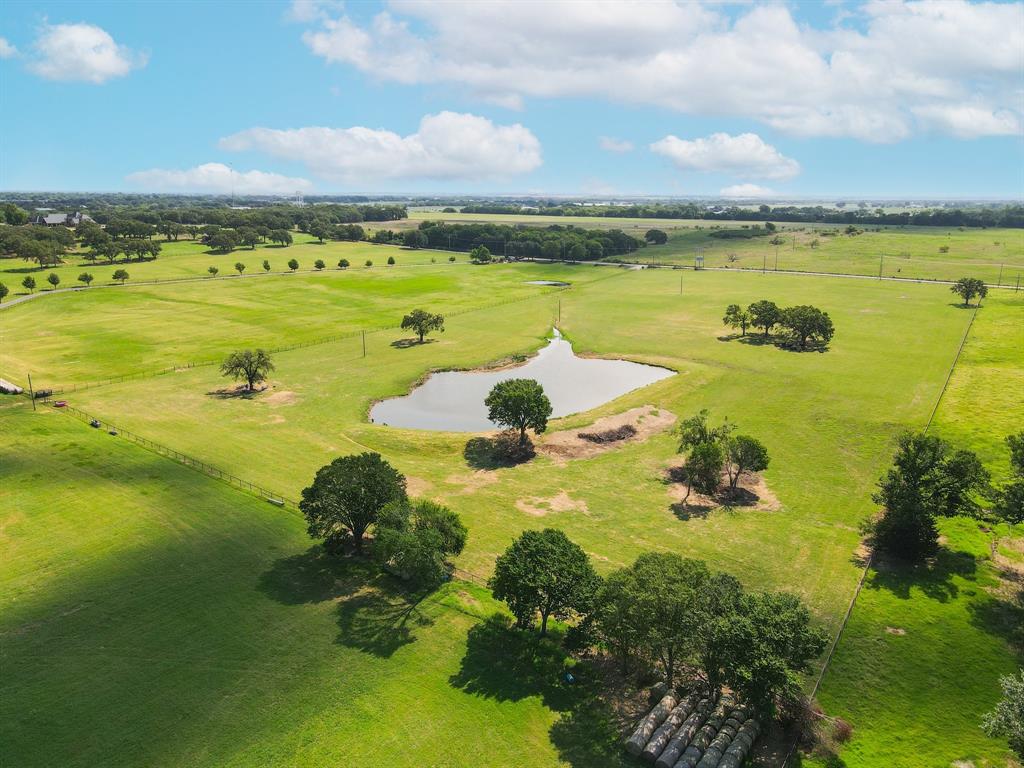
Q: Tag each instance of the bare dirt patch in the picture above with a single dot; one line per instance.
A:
(471, 482)
(560, 502)
(644, 421)
(284, 397)
(416, 486)
(896, 631)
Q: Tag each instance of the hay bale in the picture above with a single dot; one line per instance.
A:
(638, 740)
(663, 734)
(690, 758)
(741, 745)
(681, 738)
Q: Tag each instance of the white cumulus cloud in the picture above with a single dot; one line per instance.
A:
(743, 155)
(447, 145)
(81, 52)
(7, 50)
(746, 190)
(609, 144)
(219, 179)
(866, 76)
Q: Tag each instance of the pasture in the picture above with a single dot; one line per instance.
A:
(237, 644)
(994, 255)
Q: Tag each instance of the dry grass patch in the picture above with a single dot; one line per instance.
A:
(645, 421)
(560, 502)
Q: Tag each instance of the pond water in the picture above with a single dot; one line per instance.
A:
(547, 282)
(453, 401)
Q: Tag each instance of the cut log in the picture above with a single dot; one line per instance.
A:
(649, 724)
(660, 738)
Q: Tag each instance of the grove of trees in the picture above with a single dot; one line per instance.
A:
(711, 452)
(804, 325)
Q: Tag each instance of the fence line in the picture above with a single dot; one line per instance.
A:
(318, 341)
(871, 554)
(193, 463)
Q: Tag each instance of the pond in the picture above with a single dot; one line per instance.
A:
(453, 401)
(548, 282)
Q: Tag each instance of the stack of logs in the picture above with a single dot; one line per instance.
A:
(694, 732)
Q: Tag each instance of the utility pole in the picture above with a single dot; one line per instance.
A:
(364, 343)
(559, 310)
(1018, 283)
(32, 393)
(764, 263)
(999, 282)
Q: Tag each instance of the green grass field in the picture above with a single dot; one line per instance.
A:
(186, 259)
(994, 255)
(919, 639)
(236, 645)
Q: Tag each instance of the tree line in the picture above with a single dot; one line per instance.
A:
(966, 216)
(518, 242)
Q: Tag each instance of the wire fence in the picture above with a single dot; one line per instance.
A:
(65, 389)
(210, 470)
(871, 554)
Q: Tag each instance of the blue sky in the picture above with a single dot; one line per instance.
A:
(918, 99)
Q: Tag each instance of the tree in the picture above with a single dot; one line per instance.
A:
(1010, 497)
(969, 287)
(764, 314)
(737, 317)
(319, 264)
(121, 275)
(771, 641)
(253, 366)
(249, 236)
(696, 430)
(368, 264)
(266, 265)
(744, 454)
(29, 283)
(293, 264)
(281, 236)
(239, 267)
(451, 259)
(415, 541)
(108, 251)
(1007, 719)
(319, 230)
(86, 278)
(225, 240)
(343, 264)
(806, 323)
(656, 236)
(213, 271)
(927, 480)
(544, 572)
(479, 255)
(53, 279)
(650, 609)
(422, 322)
(519, 404)
(703, 468)
(347, 496)
(4, 290)
(391, 261)
(414, 239)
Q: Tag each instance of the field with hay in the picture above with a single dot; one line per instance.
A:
(153, 615)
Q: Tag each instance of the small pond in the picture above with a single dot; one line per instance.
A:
(453, 401)
(548, 282)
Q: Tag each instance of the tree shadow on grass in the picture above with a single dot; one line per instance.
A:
(313, 576)
(236, 393)
(507, 664)
(934, 578)
(380, 619)
(501, 450)
(1001, 612)
(413, 342)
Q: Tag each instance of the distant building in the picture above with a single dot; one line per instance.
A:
(62, 219)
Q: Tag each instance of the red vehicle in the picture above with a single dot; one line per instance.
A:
(60, 403)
